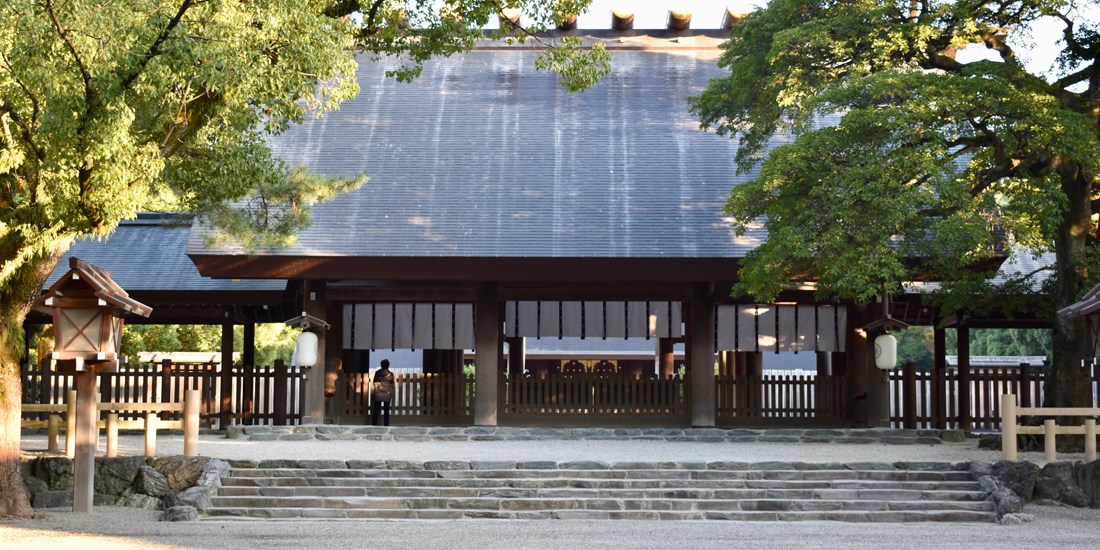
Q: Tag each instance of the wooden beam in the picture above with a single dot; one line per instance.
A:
(487, 352)
(702, 356)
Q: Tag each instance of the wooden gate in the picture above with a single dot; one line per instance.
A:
(594, 400)
(780, 399)
(420, 399)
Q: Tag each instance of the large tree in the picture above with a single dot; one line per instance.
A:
(109, 106)
(907, 162)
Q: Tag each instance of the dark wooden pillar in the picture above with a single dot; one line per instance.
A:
(227, 368)
(857, 366)
(517, 357)
(909, 396)
(248, 353)
(964, 377)
(313, 303)
(939, 378)
(824, 363)
(754, 363)
(702, 355)
(487, 352)
(334, 363)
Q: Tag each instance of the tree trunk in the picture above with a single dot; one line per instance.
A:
(17, 295)
(1068, 383)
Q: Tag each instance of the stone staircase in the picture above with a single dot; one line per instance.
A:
(868, 492)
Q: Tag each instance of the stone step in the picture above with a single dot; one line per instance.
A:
(548, 502)
(234, 494)
(538, 483)
(858, 516)
(784, 475)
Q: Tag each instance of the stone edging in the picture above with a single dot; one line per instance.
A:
(701, 435)
(448, 465)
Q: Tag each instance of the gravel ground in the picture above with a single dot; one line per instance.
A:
(112, 528)
(607, 450)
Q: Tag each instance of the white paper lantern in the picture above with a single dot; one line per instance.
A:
(886, 352)
(306, 349)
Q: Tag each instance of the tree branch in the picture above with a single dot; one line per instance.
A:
(154, 49)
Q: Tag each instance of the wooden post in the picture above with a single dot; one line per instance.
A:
(248, 344)
(1025, 385)
(227, 369)
(191, 423)
(964, 377)
(667, 360)
(939, 380)
(313, 389)
(112, 434)
(70, 424)
(151, 434)
(1049, 440)
(824, 363)
(702, 355)
(487, 342)
(1090, 440)
(279, 398)
(86, 436)
(857, 375)
(909, 396)
(51, 429)
(1008, 426)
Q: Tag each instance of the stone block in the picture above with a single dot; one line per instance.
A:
(893, 440)
(1074, 496)
(823, 432)
(1062, 471)
(1006, 501)
(198, 497)
(57, 472)
(446, 465)
(582, 433)
(409, 430)
(332, 429)
(442, 430)
(855, 440)
(376, 437)
(366, 464)
(742, 432)
(283, 429)
(278, 463)
(953, 436)
(404, 465)
(899, 432)
(1088, 480)
(742, 439)
(928, 441)
(371, 430)
(296, 437)
(249, 430)
(180, 513)
(323, 464)
(1016, 519)
(481, 430)
(411, 437)
(53, 499)
(728, 465)
(181, 471)
(628, 432)
(666, 432)
(492, 464)
(536, 465)
(692, 465)
(785, 431)
(817, 439)
(584, 465)
(772, 465)
(264, 437)
(243, 462)
(487, 437)
(33, 485)
(555, 432)
(924, 466)
(818, 466)
(779, 438)
(138, 500)
(453, 437)
(874, 466)
(707, 432)
(235, 432)
(634, 465)
(336, 437)
(1050, 488)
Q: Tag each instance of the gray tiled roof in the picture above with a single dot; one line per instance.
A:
(144, 254)
(483, 156)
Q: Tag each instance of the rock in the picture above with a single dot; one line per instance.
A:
(181, 471)
(1074, 496)
(1018, 476)
(1017, 519)
(1006, 501)
(53, 499)
(277, 463)
(1088, 479)
(180, 513)
(243, 463)
(584, 465)
(212, 473)
(34, 485)
(138, 500)
(953, 436)
(197, 497)
(151, 482)
(980, 468)
(170, 498)
(323, 464)
(989, 484)
(1062, 471)
(366, 464)
(57, 472)
(404, 465)
(114, 475)
(235, 432)
(446, 465)
(1049, 488)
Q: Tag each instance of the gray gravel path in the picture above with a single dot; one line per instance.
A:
(607, 450)
(113, 528)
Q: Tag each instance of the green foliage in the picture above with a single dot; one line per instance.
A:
(905, 163)
(916, 344)
(273, 340)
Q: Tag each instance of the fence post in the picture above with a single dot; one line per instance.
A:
(1008, 426)
(1090, 440)
(112, 434)
(1049, 440)
(909, 395)
(70, 424)
(191, 423)
(278, 405)
(151, 434)
(45, 391)
(51, 428)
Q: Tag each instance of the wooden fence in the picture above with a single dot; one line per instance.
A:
(258, 395)
(775, 396)
(936, 399)
(594, 395)
(424, 398)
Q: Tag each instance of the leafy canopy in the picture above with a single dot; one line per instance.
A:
(905, 162)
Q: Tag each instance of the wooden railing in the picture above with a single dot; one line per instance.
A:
(594, 395)
(1049, 430)
(779, 396)
(258, 395)
(430, 396)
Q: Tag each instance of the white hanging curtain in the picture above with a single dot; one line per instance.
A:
(769, 327)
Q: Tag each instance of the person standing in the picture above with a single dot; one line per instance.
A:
(382, 392)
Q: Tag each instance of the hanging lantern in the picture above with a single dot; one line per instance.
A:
(886, 352)
(305, 349)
